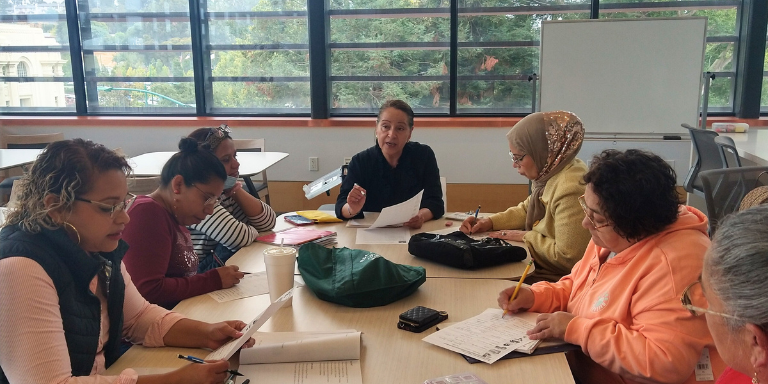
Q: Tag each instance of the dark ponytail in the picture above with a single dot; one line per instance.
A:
(193, 164)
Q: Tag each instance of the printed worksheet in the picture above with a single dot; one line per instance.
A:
(253, 284)
(399, 213)
(486, 337)
(318, 372)
(399, 235)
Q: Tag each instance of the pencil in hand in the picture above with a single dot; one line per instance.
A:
(519, 284)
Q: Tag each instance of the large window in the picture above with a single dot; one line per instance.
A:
(251, 57)
(764, 98)
(35, 70)
(384, 49)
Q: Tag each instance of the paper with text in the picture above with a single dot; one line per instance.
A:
(227, 350)
(399, 213)
(365, 222)
(486, 337)
(291, 347)
(253, 284)
(399, 235)
(324, 372)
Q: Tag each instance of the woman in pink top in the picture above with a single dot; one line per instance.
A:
(736, 305)
(161, 259)
(66, 300)
(621, 302)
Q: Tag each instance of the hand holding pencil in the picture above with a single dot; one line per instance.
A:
(518, 297)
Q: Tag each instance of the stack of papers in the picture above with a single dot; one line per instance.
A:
(488, 337)
(297, 236)
(318, 357)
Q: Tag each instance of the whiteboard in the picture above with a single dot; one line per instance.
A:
(636, 76)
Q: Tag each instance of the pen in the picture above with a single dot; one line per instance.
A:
(476, 212)
(361, 192)
(201, 361)
(519, 284)
(247, 381)
(221, 263)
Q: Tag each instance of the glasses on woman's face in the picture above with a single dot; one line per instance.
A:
(694, 301)
(589, 214)
(517, 158)
(111, 209)
(210, 200)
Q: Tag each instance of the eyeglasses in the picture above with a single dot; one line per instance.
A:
(517, 158)
(211, 200)
(121, 206)
(589, 214)
(697, 310)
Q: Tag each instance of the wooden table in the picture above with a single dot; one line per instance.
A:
(251, 163)
(250, 258)
(389, 355)
(10, 158)
(752, 145)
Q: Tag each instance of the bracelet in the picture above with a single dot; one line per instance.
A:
(349, 212)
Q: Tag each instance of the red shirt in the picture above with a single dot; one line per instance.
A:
(732, 376)
(161, 259)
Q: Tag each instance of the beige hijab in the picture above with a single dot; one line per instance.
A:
(552, 139)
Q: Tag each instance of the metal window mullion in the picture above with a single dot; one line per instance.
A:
(198, 27)
(318, 28)
(453, 70)
(76, 58)
(751, 56)
(594, 9)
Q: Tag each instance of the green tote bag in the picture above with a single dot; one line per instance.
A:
(356, 278)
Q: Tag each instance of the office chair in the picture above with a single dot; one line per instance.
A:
(707, 158)
(724, 190)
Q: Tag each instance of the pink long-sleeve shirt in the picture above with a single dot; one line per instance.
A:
(32, 345)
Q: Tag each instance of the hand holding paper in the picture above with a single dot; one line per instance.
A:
(399, 213)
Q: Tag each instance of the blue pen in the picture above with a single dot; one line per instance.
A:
(201, 361)
(476, 212)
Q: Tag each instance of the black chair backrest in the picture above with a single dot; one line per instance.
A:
(707, 157)
(27, 146)
(725, 188)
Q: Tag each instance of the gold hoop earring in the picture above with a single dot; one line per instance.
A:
(74, 229)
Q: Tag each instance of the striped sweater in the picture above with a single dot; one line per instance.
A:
(230, 226)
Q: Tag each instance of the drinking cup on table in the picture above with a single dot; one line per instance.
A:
(281, 263)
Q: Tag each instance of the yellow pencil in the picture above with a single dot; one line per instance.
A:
(519, 284)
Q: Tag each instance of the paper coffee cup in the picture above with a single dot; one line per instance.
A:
(280, 263)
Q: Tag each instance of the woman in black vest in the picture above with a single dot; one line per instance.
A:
(66, 300)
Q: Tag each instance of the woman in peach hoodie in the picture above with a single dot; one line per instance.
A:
(621, 302)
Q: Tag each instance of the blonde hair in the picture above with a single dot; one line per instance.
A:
(65, 169)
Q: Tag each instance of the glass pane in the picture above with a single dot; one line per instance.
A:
(388, 4)
(719, 57)
(519, 3)
(282, 63)
(721, 94)
(137, 56)
(485, 96)
(262, 97)
(764, 98)
(258, 31)
(390, 63)
(36, 97)
(367, 97)
(145, 97)
(385, 30)
(256, 6)
(721, 22)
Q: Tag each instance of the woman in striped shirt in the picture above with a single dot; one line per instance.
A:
(236, 222)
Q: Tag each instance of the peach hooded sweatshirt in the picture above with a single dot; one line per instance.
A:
(629, 321)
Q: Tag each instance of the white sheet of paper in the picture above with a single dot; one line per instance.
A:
(291, 347)
(365, 222)
(399, 235)
(399, 213)
(486, 337)
(227, 350)
(253, 284)
(324, 372)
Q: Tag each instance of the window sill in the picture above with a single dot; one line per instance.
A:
(288, 122)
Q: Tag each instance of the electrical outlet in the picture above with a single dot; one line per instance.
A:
(347, 160)
(314, 164)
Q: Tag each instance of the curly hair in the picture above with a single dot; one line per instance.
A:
(66, 169)
(399, 105)
(636, 190)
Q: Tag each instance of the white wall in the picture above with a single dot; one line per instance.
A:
(473, 155)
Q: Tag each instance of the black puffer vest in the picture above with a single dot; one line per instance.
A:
(72, 270)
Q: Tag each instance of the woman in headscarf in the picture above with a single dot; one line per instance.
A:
(543, 147)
